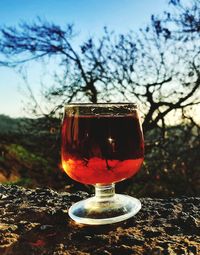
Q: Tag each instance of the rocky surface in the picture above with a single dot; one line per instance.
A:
(36, 222)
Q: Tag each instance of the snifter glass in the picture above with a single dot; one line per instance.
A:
(102, 144)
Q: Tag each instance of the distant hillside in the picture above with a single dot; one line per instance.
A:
(10, 125)
(29, 152)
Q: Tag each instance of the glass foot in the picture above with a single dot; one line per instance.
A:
(105, 207)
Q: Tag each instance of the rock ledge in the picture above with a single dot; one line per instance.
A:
(36, 222)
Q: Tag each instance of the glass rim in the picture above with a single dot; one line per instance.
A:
(134, 105)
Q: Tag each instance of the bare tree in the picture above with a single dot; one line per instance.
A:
(157, 67)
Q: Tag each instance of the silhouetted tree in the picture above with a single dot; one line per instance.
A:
(157, 67)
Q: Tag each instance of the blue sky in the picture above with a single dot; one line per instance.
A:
(89, 18)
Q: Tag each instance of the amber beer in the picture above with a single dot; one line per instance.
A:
(101, 149)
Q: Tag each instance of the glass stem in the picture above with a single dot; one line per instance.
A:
(104, 192)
